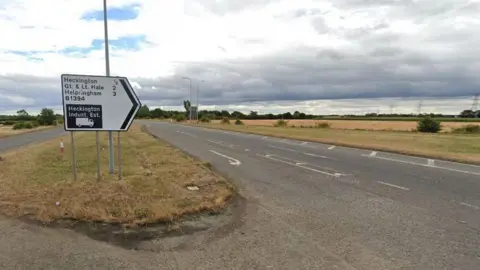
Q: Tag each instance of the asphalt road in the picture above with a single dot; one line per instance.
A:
(308, 206)
(12, 142)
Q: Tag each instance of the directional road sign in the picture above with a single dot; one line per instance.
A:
(95, 103)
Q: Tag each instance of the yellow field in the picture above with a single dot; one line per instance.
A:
(356, 124)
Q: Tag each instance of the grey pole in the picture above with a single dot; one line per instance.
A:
(119, 158)
(74, 159)
(107, 70)
(198, 96)
(98, 157)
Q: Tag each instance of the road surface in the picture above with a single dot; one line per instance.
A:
(15, 141)
(308, 206)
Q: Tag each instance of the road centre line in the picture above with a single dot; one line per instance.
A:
(470, 205)
(296, 151)
(299, 164)
(186, 133)
(423, 165)
(392, 185)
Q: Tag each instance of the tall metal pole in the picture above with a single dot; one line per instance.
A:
(107, 71)
(198, 96)
(119, 153)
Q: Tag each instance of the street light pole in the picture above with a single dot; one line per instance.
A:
(198, 96)
(107, 71)
(190, 108)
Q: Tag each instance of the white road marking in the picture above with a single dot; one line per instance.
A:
(283, 140)
(299, 164)
(469, 205)
(232, 161)
(296, 151)
(247, 149)
(264, 137)
(373, 153)
(331, 147)
(222, 143)
(303, 143)
(423, 165)
(430, 162)
(392, 185)
(189, 134)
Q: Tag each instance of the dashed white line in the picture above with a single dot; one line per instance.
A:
(419, 164)
(392, 185)
(470, 205)
(331, 147)
(430, 162)
(292, 150)
(299, 164)
(188, 134)
(373, 153)
(303, 143)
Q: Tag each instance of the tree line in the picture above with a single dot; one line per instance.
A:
(146, 112)
(46, 117)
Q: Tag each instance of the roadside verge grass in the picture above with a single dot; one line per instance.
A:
(153, 189)
(453, 147)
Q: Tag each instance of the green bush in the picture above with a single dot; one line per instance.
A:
(238, 122)
(225, 120)
(467, 129)
(19, 125)
(280, 123)
(28, 125)
(205, 119)
(34, 124)
(179, 117)
(429, 125)
(322, 125)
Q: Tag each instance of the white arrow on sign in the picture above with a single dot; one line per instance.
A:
(98, 103)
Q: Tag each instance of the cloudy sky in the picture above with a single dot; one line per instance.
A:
(337, 56)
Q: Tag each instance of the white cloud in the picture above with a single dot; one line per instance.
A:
(250, 51)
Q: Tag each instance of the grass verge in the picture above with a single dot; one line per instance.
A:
(153, 189)
(453, 147)
(7, 131)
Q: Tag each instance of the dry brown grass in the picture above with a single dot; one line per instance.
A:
(6, 131)
(455, 147)
(153, 188)
(356, 124)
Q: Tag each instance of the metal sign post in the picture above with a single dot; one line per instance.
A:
(98, 103)
(107, 72)
(74, 160)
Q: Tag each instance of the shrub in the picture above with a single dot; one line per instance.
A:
(280, 123)
(467, 129)
(238, 122)
(9, 123)
(34, 124)
(179, 117)
(225, 120)
(205, 119)
(19, 125)
(28, 125)
(322, 125)
(429, 125)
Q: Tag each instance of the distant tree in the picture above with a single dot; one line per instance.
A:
(296, 115)
(187, 105)
(156, 113)
(46, 117)
(225, 113)
(143, 112)
(253, 115)
(429, 125)
(237, 114)
(467, 114)
(22, 112)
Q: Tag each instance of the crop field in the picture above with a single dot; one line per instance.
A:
(393, 125)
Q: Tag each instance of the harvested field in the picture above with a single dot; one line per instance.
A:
(448, 146)
(357, 124)
(37, 182)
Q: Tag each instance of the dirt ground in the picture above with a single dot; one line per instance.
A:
(361, 125)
